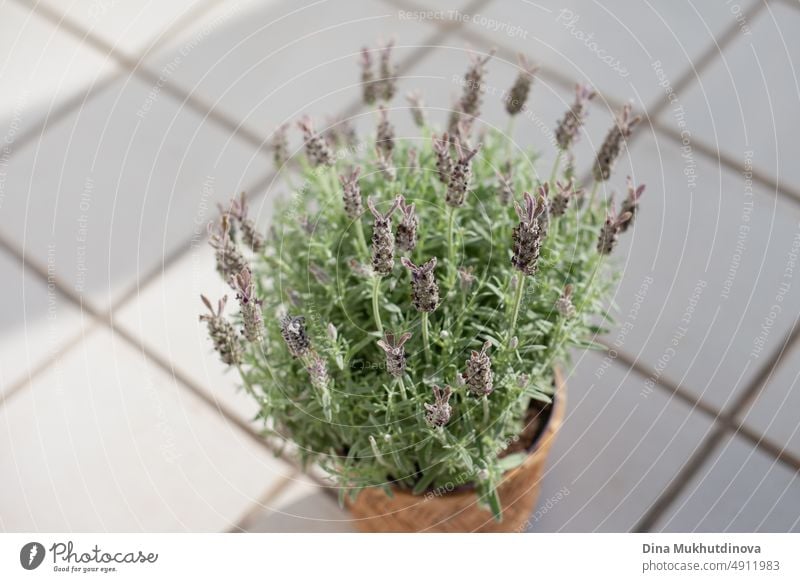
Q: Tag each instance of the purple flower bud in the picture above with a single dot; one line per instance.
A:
(250, 307)
(406, 236)
(609, 233)
(564, 303)
(631, 203)
(414, 99)
(317, 149)
(460, 176)
(479, 378)
(293, 330)
(438, 413)
(612, 146)
(382, 239)
(225, 339)
(569, 127)
(515, 101)
(351, 194)
(527, 236)
(424, 290)
(395, 352)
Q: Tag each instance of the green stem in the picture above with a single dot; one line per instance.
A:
(425, 339)
(376, 312)
(451, 250)
(510, 136)
(248, 387)
(485, 411)
(402, 388)
(517, 302)
(556, 165)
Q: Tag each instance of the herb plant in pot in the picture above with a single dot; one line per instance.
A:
(403, 321)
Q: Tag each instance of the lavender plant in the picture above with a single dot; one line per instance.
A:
(412, 356)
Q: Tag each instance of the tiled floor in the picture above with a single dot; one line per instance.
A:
(125, 123)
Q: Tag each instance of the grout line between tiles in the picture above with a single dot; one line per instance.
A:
(62, 351)
(758, 440)
(724, 159)
(63, 109)
(140, 70)
(706, 58)
(271, 493)
(707, 446)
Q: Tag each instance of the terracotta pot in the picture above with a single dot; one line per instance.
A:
(458, 510)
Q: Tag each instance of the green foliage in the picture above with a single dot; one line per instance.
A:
(366, 427)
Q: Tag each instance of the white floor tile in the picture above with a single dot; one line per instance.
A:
(119, 184)
(617, 450)
(164, 315)
(740, 489)
(41, 67)
(35, 321)
(774, 412)
(302, 507)
(106, 442)
(702, 267)
(129, 27)
(268, 64)
(749, 100)
(610, 44)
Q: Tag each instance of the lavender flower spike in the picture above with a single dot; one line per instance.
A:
(417, 107)
(387, 72)
(250, 234)
(395, 352)
(385, 138)
(544, 208)
(385, 166)
(250, 306)
(293, 330)
(424, 289)
(382, 239)
(515, 102)
(444, 163)
(412, 163)
(609, 234)
(228, 256)
(406, 236)
(318, 373)
(369, 86)
(461, 175)
(570, 125)
(527, 236)
(280, 146)
(470, 103)
(221, 332)
(351, 194)
(631, 203)
(505, 190)
(564, 303)
(612, 146)
(438, 414)
(564, 194)
(317, 149)
(479, 378)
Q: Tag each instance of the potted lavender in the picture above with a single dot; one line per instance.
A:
(403, 321)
